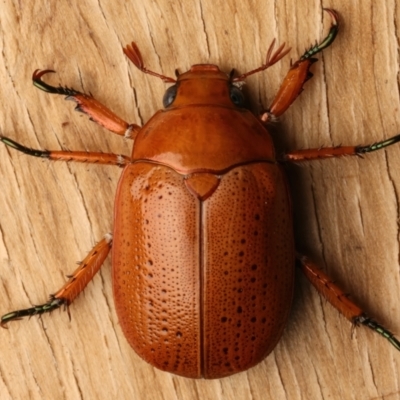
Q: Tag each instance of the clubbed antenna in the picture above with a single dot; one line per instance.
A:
(133, 53)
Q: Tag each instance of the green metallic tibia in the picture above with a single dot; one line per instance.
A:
(378, 145)
(370, 323)
(329, 38)
(51, 305)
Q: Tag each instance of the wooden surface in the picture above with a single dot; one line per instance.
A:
(51, 214)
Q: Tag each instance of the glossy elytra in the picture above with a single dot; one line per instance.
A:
(202, 248)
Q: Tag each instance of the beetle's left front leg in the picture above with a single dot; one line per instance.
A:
(298, 74)
(76, 283)
(340, 300)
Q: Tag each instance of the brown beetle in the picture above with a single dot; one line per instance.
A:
(203, 253)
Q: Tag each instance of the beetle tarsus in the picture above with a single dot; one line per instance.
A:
(328, 39)
(31, 152)
(51, 305)
(37, 81)
(378, 145)
(370, 323)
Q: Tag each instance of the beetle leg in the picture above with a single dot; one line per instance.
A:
(77, 282)
(299, 73)
(329, 152)
(340, 300)
(88, 105)
(64, 155)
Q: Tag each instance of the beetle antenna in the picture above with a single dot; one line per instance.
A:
(133, 53)
(275, 57)
(271, 59)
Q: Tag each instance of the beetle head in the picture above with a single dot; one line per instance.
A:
(203, 84)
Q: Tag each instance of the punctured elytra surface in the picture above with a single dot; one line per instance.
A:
(203, 288)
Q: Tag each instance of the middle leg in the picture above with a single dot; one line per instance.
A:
(338, 151)
(63, 155)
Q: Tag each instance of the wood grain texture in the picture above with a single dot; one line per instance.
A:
(51, 214)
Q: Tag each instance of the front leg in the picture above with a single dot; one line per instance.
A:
(90, 106)
(298, 74)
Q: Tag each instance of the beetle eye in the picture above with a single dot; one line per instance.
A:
(236, 96)
(169, 96)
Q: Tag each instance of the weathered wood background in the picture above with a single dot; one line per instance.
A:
(51, 214)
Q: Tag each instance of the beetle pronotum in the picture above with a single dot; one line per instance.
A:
(203, 254)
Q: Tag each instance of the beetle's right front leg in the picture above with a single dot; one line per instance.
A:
(90, 106)
(76, 283)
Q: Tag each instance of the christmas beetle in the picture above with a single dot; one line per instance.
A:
(202, 249)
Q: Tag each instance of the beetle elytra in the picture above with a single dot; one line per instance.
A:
(202, 248)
